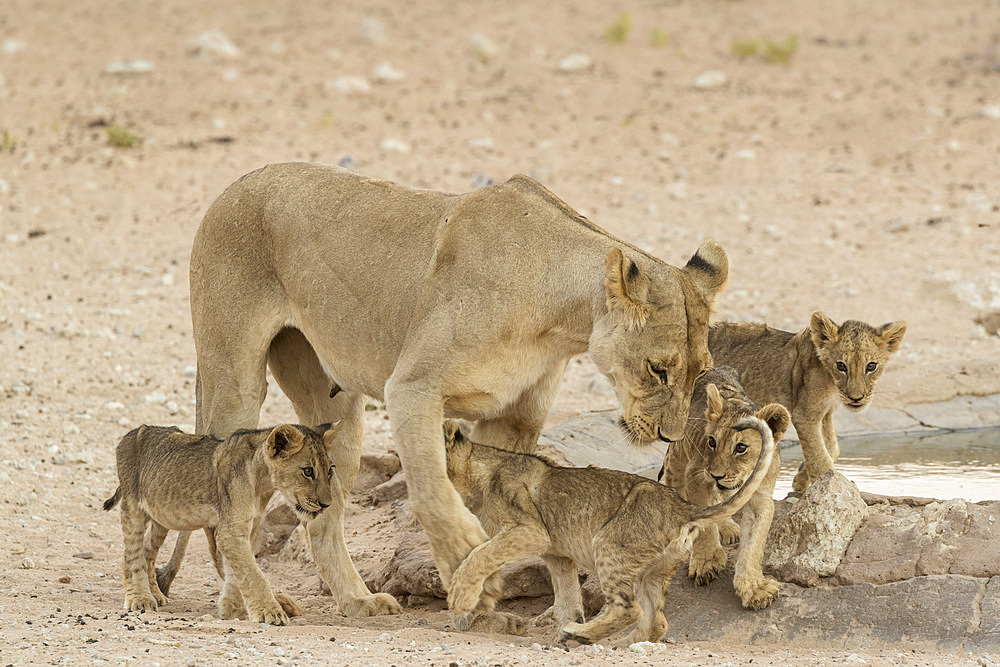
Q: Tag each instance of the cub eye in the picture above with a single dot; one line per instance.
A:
(659, 373)
(711, 442)
(871, 366)
(841, 366)
(308, 472)
(740, 448)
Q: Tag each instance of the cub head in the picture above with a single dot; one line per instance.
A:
(300, 467)
(458, 454)
(854, 354)
(653, 342)
(735, 435)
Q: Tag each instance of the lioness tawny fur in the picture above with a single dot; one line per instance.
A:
(170, 480)
(632, 532)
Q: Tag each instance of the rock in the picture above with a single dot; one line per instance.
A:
(386, 73)
(991, 111)
(810, 540)
(393, 489)
(213, 44)
(190, 371)
(347, 162)
(296, 547)
(527, 578)
(375, 469)
(576, 62)
(711, 79)
(84, 555)
(989, 320)
(348, 84)
(27, 564)
(481, 180)
(11, 46)
(411, 570)
(129, 67)
(276, 527)
(594, 438)
(154, 398)
(395, 146)
(482, 47)
(372, 31)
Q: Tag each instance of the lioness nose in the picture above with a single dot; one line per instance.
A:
(717, 478)
(322, 504)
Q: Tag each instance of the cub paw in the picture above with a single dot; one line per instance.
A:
(756, 593)
(573, 632)
(704, 568)
(729, 532)
(288, 605)
(377, 604)
(141, 603)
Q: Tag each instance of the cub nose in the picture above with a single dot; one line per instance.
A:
(717, 478)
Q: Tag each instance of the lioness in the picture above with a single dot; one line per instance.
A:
(631, 531)
(175, 481)
(811, 373)
(467, 305)
(719, 449)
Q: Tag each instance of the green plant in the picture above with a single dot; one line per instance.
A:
(8, 142)
(122, 137)
(660, 38)
(618, 31)
(767, 50)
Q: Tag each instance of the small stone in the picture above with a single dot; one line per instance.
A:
(27, 498)
(481, 180)
(713, 78)
(167, 279)
(129, 67)
(84, 555)
(71, 429)
(64, 579)
(347, 162)
(747, 154)
(576, 62)
(536, 647)
(190, 371)
(482, 47)
(172, 407)
(395, 146)
(27, 564)
(372, 31)
(855, 659)
(213, 44)
(155, 398)
(123, 421)
(991, 111)
(774, 232)
(386, 73)
(114, 406)
(484, 142)
(12, 46)
(349, 84)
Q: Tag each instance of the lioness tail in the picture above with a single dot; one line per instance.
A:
(110, 503)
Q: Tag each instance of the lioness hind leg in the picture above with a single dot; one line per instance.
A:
(157, 533)
(135, 571)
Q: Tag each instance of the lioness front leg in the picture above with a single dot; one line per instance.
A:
(755, 590)
(233, 541)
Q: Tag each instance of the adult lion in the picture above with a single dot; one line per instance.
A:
(442, 305)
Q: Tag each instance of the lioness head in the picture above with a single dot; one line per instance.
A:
(653, 342)
(735, 435)
(300, 468)
(854, 354)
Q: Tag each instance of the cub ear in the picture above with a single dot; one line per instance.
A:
(452, 434)
(713, 412)
(708, 269)
(330, 433)
(626, 289)
(823, 331)
(777, 419)
(892, 334)
(284, 441)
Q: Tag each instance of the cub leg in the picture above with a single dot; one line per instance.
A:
(755, 590)
(466, 587)
(135, 572)
(154, 540)
(816, 458)
(708, 558)
(618, 575)
(830, 437)
(233, 540)
(300, 375)
(568, 603)
(653, 584)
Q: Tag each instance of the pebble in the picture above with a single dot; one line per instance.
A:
(372, 31)
(482, 47)
(991, 111)
(349, 84)
(347, 162)
(114, 406)
(64, 579)
(155, 398)
(774, 232)
(713, 78)
(395, 146)
(213, 43)
(481, 180)
(12, 46)
(206, 618)
(84, 555)
(172, 407)
(856, 659)
(190, 371)
(575, 62)
(167, 279)
(747, 154)
(71, 429)
(386, 73)
(27, 498)
(129, 67)
(27, 564)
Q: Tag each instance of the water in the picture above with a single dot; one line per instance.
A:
(963, 465)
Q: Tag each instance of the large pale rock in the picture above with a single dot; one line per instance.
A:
(375, 469)
(275, 527)
(810, 540)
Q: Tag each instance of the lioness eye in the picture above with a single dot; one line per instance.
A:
(740, 448)
(711, 442)
(657, 372)
(331, 469)
(841, 366)
(871, 366)
(308, 472)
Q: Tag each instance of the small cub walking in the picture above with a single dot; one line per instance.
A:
(171, 480)
(631, 531)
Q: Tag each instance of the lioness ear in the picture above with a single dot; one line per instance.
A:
(715, 405)
(284, 440)
(708, 269)
(626, 289)
(822, 329)
(892, 334)
(452, 434)
(777, 419)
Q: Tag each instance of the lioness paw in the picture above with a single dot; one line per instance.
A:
(271, 615)
(756, 593)
(377, 604)
(141, 603)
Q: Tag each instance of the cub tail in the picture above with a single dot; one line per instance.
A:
(715, 513)
(110, 503)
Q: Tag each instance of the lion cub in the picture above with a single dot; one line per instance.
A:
(175, 481)
(707, 465)
(631, 531)
(812, 373)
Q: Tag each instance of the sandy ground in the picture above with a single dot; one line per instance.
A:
(861, 178)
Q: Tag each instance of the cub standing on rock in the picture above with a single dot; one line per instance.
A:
(175, 481)
(811, 373)
(462, 305)
(718, 449)
(631, 531)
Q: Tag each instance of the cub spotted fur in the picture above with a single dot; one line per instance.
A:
(631, 531)
(811, 373)
(718, 451)
(175, 481)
